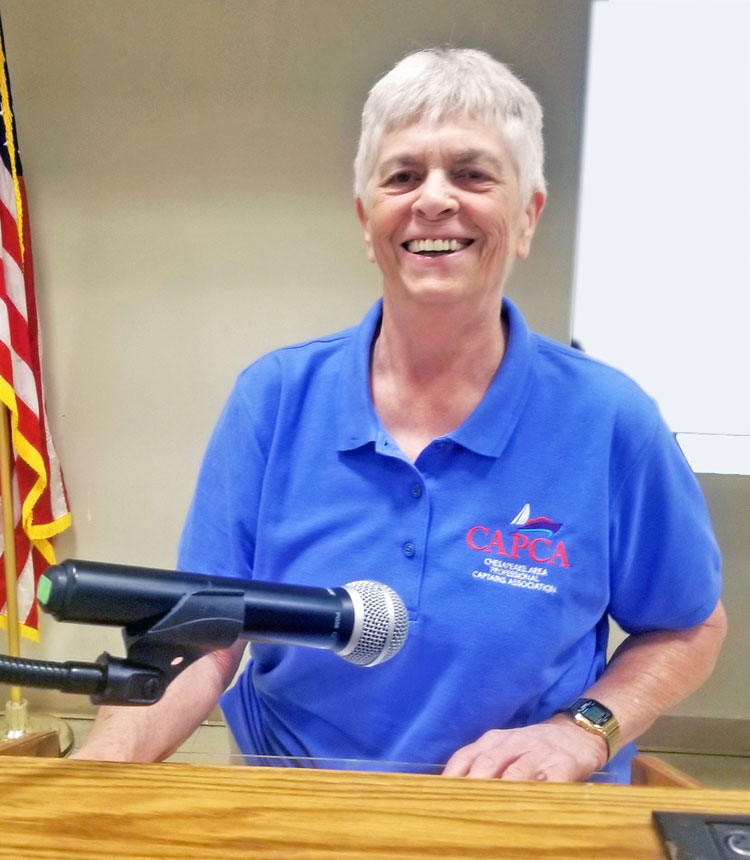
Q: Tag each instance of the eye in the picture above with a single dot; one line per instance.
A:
(473, 174)
(402, 177)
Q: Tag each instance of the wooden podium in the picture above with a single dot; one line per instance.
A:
(53, 808)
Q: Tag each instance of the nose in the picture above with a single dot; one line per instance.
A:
(436, 197)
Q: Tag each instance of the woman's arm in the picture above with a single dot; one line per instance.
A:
(649, 673)
(153, 733)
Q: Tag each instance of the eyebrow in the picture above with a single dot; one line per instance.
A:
(397, 161)
(464, 156)
(467, 156)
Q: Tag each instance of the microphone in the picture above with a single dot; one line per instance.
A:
(364, 622)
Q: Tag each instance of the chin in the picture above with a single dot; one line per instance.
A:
(445, 293)
(436, 295)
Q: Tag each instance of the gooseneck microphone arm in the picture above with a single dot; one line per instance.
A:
(171, 619)
(108, 681)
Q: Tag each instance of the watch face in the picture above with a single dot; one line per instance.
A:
(595, 713)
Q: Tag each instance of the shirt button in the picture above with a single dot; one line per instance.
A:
(416, 491)
(409, 550)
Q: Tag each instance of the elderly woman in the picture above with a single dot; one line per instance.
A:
(512, 491)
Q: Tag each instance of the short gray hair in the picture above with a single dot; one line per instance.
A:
(436, 84)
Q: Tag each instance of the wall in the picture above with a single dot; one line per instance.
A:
(727, 693)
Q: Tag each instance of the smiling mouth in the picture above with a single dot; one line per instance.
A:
(436, 247)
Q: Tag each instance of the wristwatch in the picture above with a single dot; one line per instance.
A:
(597, 718)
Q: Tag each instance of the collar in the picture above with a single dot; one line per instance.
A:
(486, 431)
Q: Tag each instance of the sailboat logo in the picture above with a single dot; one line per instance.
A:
(538, 525)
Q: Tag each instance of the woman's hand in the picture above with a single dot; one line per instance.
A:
(556, 750)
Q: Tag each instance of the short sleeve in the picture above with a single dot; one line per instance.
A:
(665, 562)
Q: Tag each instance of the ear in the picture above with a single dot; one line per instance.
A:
(365, 222)
(531, 216)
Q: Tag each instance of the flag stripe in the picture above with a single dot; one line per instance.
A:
(14, 279)
(8, 191)
(15, 284)
(23, 376)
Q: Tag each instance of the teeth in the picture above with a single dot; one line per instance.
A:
(420, 246)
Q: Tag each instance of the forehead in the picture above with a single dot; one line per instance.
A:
(460, 140)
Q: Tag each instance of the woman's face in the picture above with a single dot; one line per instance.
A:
(445, 219)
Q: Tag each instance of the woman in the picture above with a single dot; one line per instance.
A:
(512, 491)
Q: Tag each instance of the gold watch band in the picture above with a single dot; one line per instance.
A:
(597, 719)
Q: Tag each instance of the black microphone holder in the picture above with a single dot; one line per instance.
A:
(157, 651)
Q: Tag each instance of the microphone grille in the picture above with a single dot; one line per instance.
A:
(384, 623)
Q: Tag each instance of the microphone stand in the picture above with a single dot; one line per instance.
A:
(156, 653)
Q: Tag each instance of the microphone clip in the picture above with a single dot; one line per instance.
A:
(125, 683)
(199, 623)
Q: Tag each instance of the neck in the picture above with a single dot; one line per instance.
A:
(424, 343)
(431, 366)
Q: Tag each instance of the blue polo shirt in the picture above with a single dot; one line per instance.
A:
(561, 500)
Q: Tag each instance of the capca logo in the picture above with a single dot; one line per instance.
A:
(519, 546)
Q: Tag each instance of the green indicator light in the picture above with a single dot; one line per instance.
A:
(43, 589)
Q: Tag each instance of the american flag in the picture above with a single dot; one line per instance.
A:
(40, 505)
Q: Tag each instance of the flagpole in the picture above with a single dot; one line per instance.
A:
(16, 712)
(17, 722)
(9, 537)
